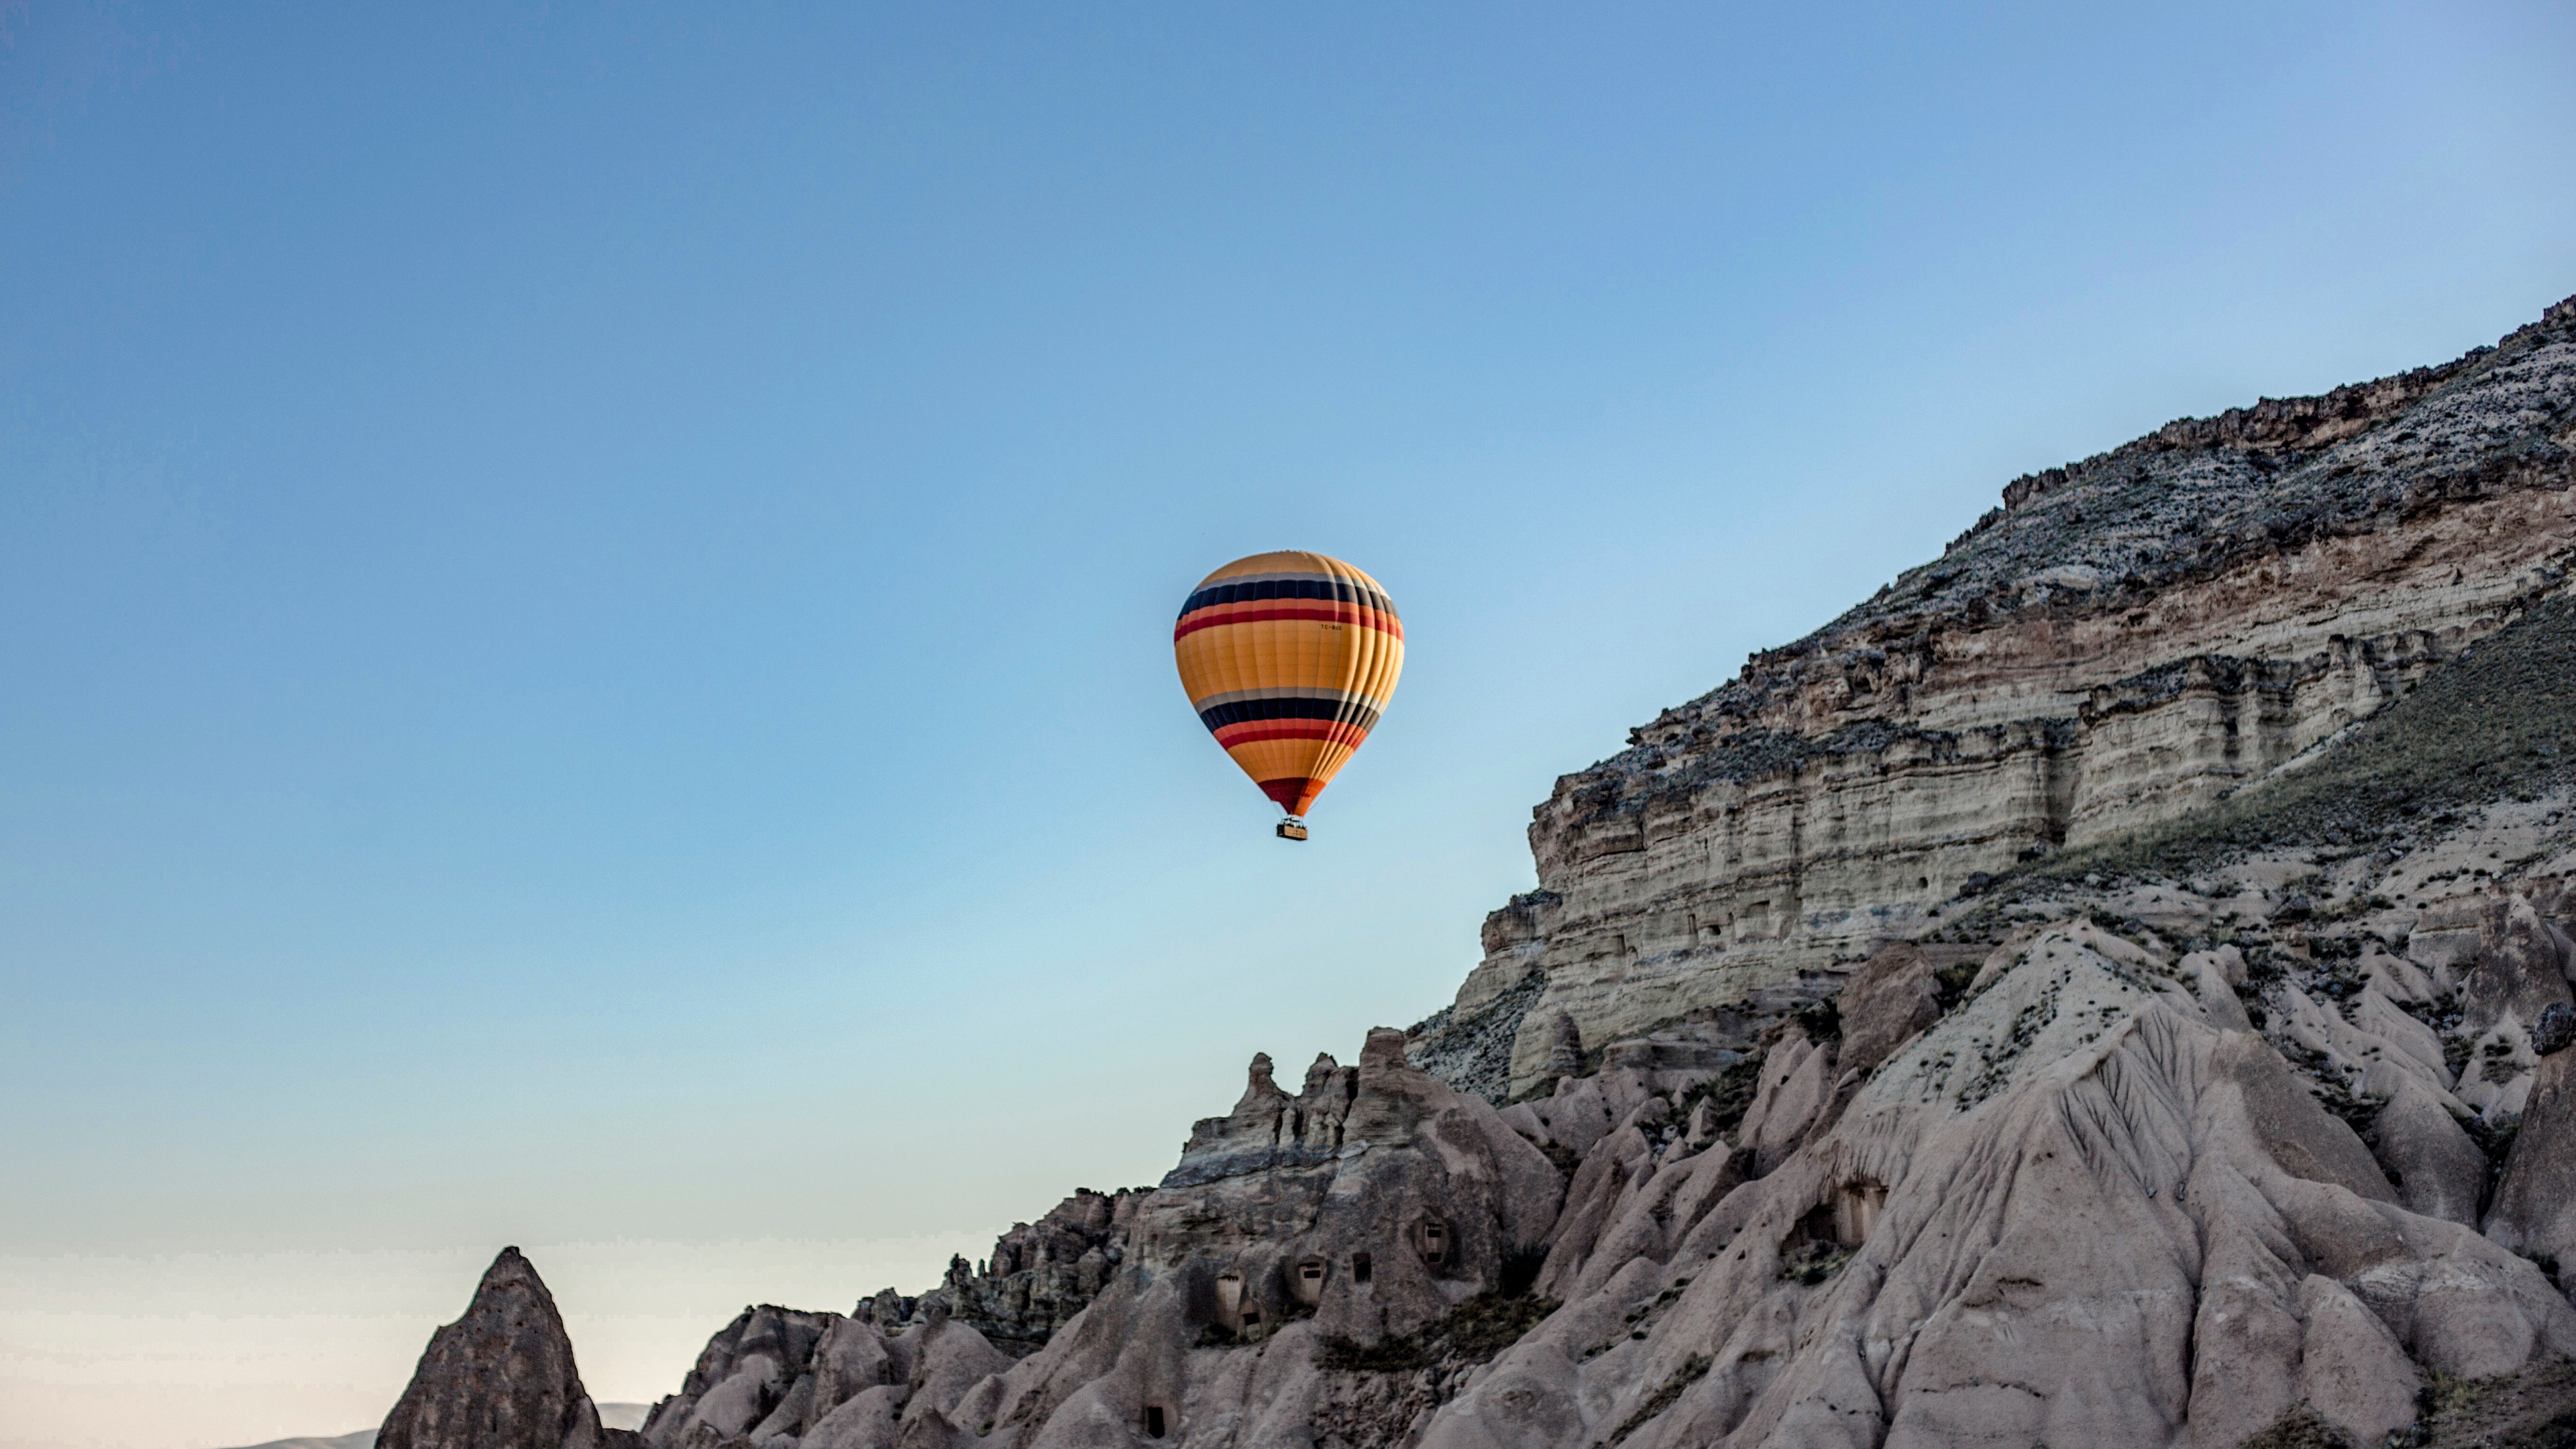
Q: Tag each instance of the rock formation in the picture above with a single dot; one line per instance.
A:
(2115, 987)
(500, 1377)
(2125, 638)
(2123, 1170)
(779, 1377)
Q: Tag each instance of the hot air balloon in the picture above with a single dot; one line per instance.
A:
(1289, 658)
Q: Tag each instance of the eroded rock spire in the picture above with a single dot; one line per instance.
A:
(499, 1377)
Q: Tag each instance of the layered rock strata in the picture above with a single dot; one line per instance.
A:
(2123, 640)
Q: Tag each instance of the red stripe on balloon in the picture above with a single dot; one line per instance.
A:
(1254, 731)
(1293, 795)
(1210, 618)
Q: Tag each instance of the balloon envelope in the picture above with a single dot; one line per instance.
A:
(1289, 658)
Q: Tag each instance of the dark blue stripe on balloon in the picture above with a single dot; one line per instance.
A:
(1342, 590)
(1354, 711)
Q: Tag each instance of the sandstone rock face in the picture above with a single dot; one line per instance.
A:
(2125, 639)
(500, 1377)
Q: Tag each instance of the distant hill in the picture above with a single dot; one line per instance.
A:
(611, 1416)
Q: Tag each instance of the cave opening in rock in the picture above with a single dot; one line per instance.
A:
(1229, 1299)
(1153, 1421)
(1816, 1227)
(1435, 1243)
(1856, 1210)
(1359, 1267)
(1310, 1281)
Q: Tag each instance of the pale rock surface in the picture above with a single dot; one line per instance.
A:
(2440, 1171)
(2535, 1201)
(2351, 1368)
(2521, 966)
(1583, 1110)
(1891, 997)
(1797, 1088)
(2105, 1221)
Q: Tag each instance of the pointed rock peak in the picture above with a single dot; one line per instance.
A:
(1384, 1050)
(1258, 1090)
(513, 1270)
(499, 1377)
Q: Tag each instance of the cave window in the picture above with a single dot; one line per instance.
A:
(1251, 1314)
(1310, 1281)
(1856, 1211)
(1229, 1299)
(1435, 1243)
(1153, 1421)
(1923, 882)
(1359, 1267)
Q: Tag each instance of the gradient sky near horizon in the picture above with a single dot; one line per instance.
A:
(585, 591)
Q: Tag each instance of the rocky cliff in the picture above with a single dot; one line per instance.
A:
(2123, 639)
(2116, 987)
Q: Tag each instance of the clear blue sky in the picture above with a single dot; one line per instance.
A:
(585, 593)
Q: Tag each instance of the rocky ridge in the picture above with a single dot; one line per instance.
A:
(2124, 639)
(2167, 1042)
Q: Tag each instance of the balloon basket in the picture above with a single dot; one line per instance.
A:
(1292, 828)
